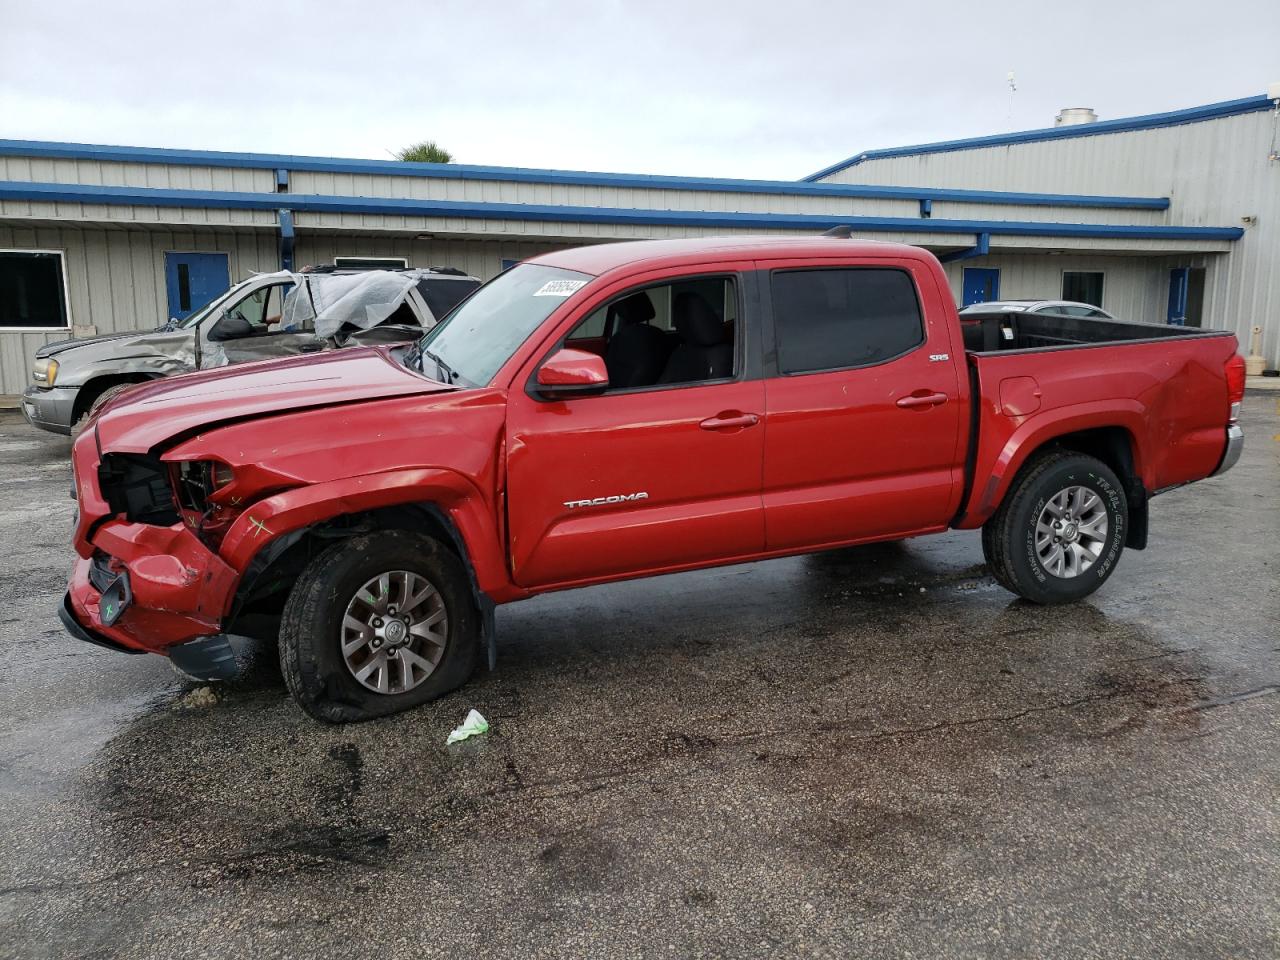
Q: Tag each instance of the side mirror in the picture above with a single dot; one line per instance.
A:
(572, 373)
(230, 328)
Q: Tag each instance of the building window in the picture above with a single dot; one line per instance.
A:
(834, 319)
(1082, 286)
(33, 294)
(370, 263)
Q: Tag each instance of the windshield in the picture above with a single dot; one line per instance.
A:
(480, 335)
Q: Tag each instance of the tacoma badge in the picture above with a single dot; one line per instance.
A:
(601, 501)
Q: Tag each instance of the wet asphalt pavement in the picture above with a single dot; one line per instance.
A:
(875, 752)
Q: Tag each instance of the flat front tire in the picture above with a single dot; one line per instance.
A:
(1061, 529)
(378, 624)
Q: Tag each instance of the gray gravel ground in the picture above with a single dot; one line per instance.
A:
(874, 752)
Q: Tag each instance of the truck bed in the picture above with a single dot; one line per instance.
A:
(1159, 391)
(1005, 331)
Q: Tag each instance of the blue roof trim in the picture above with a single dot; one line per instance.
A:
(458, 171)
(1172, 118)
(314, 203)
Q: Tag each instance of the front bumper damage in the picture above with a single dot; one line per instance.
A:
(144, 587)
(165, 592)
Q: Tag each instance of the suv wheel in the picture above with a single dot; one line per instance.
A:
(378, 624)
(1060, 531)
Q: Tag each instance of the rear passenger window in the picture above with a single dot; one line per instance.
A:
(832, 319)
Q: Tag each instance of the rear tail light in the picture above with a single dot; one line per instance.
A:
(1235, 384)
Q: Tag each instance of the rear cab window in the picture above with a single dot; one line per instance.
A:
(836, 318)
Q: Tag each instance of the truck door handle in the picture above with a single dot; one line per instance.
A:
(729, 420)
(923, 400)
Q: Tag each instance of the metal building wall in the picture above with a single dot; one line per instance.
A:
(1214, 171)
(115, 279)
(502, 191)
(140, 214)
(114, 174)
(159, 175)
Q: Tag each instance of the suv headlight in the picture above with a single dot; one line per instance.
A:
(45, 371)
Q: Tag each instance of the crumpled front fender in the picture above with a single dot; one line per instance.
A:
(295, 509)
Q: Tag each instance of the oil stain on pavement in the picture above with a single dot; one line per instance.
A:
(872, 752)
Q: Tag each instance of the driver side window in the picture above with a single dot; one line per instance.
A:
(263, 309)
(683, 332)
(253, 308)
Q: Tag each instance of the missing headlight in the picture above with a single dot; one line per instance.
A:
(198, 480)
(138, 486)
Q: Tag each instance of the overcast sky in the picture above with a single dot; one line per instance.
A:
(743, 89)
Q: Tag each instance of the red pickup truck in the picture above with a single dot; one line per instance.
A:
(620, 411)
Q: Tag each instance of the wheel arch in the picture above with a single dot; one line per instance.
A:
(91, 390)
(1117, 448)
(1110, 435)
(273, 569)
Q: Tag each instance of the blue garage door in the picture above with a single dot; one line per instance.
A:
(980, 285)
(193, 279)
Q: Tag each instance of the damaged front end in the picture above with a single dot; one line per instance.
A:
(148, 577)
(180, 483)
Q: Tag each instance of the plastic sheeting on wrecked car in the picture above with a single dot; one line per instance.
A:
(355, 302)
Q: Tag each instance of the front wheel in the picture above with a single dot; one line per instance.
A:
(1060, 531)
(377, 624)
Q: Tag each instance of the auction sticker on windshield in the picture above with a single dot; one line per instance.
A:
(559, 288)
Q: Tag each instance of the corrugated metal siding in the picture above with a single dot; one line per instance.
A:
(489, 191)
(123, 214)
(115, 279)
(497, 191)
(1214, 172)
(177, 176)
(529, 229)
(953, 210)
(157, 175)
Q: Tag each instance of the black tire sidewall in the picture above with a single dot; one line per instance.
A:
(1034, 581)
(317, 674)
(102, 399)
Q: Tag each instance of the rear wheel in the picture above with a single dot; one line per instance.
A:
(378, 624)
(1060, 531)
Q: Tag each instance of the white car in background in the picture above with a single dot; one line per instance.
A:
(1066, 307)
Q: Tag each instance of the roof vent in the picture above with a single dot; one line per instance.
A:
(1069, 116)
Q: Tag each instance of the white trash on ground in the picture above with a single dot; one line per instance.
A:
(473, 726)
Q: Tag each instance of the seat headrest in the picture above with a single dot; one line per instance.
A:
(695, 321)
(636, 308)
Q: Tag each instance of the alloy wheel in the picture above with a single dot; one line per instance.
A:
(1071, 532)
(394, 632)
